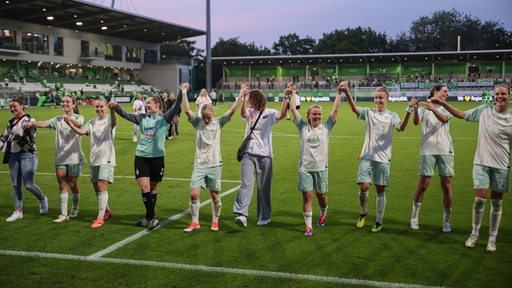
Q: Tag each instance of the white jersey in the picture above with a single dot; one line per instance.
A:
(494, 136)
(208, 140)
(101, 135)
(68, 144)
(435, 135)
(261, 143)
(379, 134)
(314, 144)
(139, 107)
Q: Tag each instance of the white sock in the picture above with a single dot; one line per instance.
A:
(323, 211)
(102, 203)
(447, 214)
(194, 210)
(363, 202)
(478, 214)
(64, 203)
(381, 206)
(308, 218)
(495, 218)
(216, 208)
(76, 199)
(416, 206)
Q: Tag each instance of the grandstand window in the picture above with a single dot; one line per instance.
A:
(35, 43)
(84, 48)
(113, 52)
(7, 39)
(133, 54)
(58, 46)
(150, 56)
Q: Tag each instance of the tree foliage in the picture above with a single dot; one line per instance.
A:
(351, 40)
(440, 32)
(233, 47)
(292, 44)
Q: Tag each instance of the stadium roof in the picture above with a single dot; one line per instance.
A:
(67, 13)
(347, 59)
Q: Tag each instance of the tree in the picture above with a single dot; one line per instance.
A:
(182, 48)
(233, 47)
(351, 40)
(440, 32)
(292, 44)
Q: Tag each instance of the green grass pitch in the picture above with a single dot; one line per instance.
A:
(35, 252)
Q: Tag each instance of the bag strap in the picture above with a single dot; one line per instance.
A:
(256, 122)
(15, 127)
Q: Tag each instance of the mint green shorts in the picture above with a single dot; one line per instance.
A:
(314, 180)
(102, 173)
(74, 170)
(369, 168)
(207, 178)
(485, 177)
(444, 164)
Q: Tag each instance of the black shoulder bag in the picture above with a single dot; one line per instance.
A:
(243, 147)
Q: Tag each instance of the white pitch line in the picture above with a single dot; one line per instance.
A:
(126, 177)
(213, 269)
(145, 232)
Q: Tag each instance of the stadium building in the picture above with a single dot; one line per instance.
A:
(466, 73)
(81, 46)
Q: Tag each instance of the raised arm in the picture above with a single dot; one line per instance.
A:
(352, 104)
(293, 103)
(454, 111)
(134, 118)
(240, 99)
(341, 88)
(113, 118)
(243, 109)
(410, 109)
(286, 98)
(175, 107)
(186, 104)
(416, 116)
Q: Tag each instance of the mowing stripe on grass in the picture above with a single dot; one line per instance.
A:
(261, 273)
(126, 177)
(145, 232)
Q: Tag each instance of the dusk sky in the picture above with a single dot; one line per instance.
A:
(262, 22)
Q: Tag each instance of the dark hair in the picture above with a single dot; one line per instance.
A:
(434, 89)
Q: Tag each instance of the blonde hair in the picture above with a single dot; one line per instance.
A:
(207, 108)
(384, 90)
